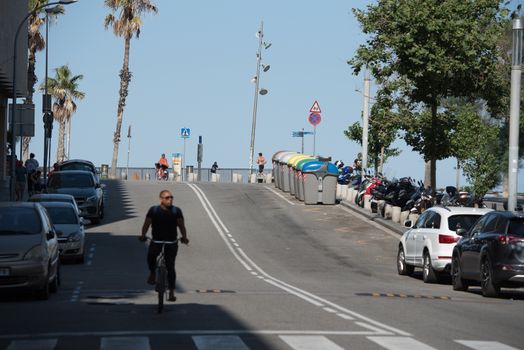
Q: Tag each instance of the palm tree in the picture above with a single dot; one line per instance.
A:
(64, 88)
(36, 43)
(126, 25)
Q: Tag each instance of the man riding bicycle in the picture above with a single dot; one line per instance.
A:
(164, 218)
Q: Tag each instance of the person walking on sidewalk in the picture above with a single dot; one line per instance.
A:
(164, 219)
(31, 165)
(21, 180)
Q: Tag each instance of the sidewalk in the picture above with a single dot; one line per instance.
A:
(393, 226)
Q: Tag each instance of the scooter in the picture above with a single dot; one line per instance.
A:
(161, 172)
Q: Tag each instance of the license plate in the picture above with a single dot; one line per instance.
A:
(4, 272)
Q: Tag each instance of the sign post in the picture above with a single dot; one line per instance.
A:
(315, 119)
(301, 134)
(185, 133)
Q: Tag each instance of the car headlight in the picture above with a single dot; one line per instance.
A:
(74, 237)
(92, 199)
(34, 253)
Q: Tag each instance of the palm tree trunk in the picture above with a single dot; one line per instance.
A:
(125, 78)
(68, 136)
(31, 81)
(60, 147)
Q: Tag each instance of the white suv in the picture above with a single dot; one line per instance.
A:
(430, 241)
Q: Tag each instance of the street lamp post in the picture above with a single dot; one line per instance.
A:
(516, 71)
(260, 35)
(365, 124)
(12, 120)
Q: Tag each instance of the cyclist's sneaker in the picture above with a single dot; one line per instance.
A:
(151, 279)
(172, 296)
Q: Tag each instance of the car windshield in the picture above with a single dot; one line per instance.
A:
(462, 221)
(70, 180)
(62, 215)
(516, 227)
(15, 221)
(76, 166)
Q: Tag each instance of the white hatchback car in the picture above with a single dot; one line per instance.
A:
(429, 242)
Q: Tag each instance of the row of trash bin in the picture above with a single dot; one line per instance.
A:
(310, 179)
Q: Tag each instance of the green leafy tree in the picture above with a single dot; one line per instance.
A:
(476, 144)
(383, 129)
(64, 88)
(127, 24)
(437, 48)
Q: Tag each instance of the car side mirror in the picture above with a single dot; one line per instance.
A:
(50, 235)
(408, 223)
(461, 232)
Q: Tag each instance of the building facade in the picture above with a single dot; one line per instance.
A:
(12, 12)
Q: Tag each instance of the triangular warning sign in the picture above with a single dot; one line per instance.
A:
(315, 108)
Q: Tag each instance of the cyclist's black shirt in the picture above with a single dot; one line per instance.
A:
(164, 222)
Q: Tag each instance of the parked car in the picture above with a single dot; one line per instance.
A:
(29, 256)
(490, 253)
(82, 185)
(69, 230)
(55, 197)
(80, 164)
(429, 242)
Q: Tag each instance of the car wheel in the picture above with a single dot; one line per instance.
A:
(456, 276)
(402, 267)
(53, 286)
(429, 275)
(43, 293)
(489, 288)
(81, 259)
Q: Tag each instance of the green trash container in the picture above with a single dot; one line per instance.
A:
(319, 182)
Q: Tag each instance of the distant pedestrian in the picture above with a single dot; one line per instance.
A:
(55, 168)
(34, 180)
(31, 165)
(261, 161)
(214, 168)
(21, 180)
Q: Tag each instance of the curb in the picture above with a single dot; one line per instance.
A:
(397, 228)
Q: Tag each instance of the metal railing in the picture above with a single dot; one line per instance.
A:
(149, 174)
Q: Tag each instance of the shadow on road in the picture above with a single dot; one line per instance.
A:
(118, 205)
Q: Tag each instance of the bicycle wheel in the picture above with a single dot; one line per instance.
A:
(161, 286)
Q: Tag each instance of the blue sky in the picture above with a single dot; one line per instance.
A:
(192, 67)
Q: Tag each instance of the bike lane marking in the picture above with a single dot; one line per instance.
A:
(311, 298)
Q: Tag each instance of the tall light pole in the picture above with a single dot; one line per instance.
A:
(260, 36)
(12, 120)
(365, 124)
(516, 72)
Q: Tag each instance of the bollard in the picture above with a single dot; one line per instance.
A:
(123, 175)
(413, 218)
(269, 178)
(395, 214)
(253, 178)
(148, 176)
(404, 216)
(387, 211)
(367, 202)
(381, 207)
(350, 194)
(344, 192)
(215, 177)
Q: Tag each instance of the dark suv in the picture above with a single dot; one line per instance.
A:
(79, 164)
(491, 252)
(82, 185)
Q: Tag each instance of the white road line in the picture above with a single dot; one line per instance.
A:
(363, 218)
(328, 309)
(125, 343)
(311, 298)
(278, 194)
(309, 342)
(345, 317)
(132, 333)
(221, 342)
(219, 229)
(211, 208)
(485, 345)
(40, 344)
(371, 328)
(400, 343)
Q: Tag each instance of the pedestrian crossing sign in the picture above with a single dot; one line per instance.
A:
(185, 133)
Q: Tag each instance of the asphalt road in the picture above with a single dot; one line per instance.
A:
(262, 271)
